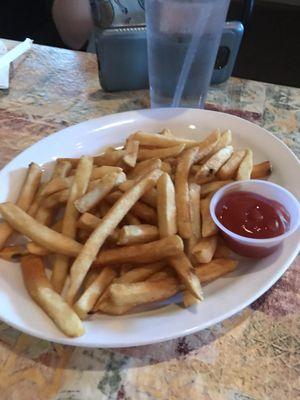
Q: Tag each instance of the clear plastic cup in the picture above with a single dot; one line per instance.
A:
(257, 248)
(183, 38)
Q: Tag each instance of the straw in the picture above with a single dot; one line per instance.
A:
(190, 55)
(16, 52)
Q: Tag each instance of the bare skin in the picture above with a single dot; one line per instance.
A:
(73, 20)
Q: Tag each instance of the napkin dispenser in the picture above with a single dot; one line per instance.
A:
(122, 56)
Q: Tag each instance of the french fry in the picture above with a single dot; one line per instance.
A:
(216, 268)
(147, 252)
(186, 159)
(140, 210)
(110, 308)
(205, 249)
(109, 158)
(36, 249)
(189, 300)
(103, 208)
(89, 297)
(141, 273)
(185, 271)
(41, 291)
(145, 154)
(134, 234)
(69, 223)
(115, 215)
(88, 222)
(41, 234)
(213, 164)
(132, 149)
(138, 274)
(166, 206)
(141, 169)
(222, 251)
(132, 219)
(245, 168)
(150, 198)
(209, 228)
(166, 167)
(61, 168)
(94, 196)
(157, 140)
(13, 253)
(25, 199)
(228, 170)
(167, 132)
(59, 183)
(223, 140)
(89, 279)
(133, 294)
(212, 187)
(194, 190)
(262, 170)
(208, 146)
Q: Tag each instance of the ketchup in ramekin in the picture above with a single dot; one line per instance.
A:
(255, 216)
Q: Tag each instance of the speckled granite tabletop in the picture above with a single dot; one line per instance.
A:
(252, 356)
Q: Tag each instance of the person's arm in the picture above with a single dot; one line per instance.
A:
(73, 20)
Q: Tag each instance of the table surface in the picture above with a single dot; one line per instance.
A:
(252, 356)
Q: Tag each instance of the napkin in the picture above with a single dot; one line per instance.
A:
(7, 57)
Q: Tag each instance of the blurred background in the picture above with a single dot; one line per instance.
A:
(270, 49)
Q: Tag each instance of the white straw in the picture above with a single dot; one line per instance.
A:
(16, 52)
(190, 55)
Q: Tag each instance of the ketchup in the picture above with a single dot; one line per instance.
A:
(252, 215)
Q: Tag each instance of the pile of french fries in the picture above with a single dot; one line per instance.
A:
(124, 228)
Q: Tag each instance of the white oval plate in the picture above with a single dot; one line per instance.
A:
(223, 298)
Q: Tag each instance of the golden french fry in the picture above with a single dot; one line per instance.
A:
(216, 268)
(138, 274)
(188, 299)
(166, 167)
(209, 228)
(228, 170)
(132, 219)
(146, 252)
(69, 223)
(109, 158)
(133, 294)
(212, 187)
(61, 168)
(222, 141)
(213, 164)
(132, 149)
(90, 277)
(26, 196)
(185, 161)
(157, 140)
(141, 169)
(94, 196)
(44, 215)
(245, 168)
(140, 210)
(133, 234)
(59, 183)
(103, 208)
(141, 273)
(108, 307)
(41, 234)
(88, 221)
(13, 253)
(222, 251)
(186, 272)
(108, 224)
(36, 249)
(205, 249)
(207, 147)
(166, 206)
(262, 170)
(89, 297)
(150, 198)
(145, 154)
(41, 291)
(194, 190)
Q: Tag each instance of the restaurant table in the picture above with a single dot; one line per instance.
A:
(253, 355)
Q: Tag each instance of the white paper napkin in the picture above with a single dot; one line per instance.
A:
(7, 57)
